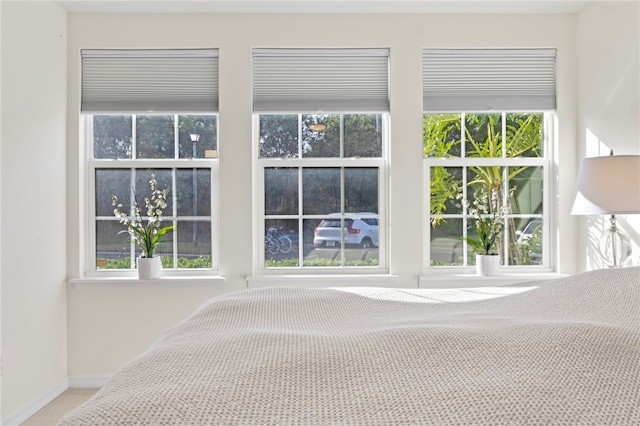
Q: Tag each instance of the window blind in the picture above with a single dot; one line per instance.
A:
(328, 80)
(135, 81)
(498, 79)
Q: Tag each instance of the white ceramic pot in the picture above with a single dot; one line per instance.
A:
(487, 265)
(149, 267)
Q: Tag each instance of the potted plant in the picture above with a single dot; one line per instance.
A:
(488, 221)
(147, 235)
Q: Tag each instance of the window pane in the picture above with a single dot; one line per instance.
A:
(363, 135)
(143, 188)
(486, 180)
(112, 136)
(321, 143)
(527, 248)
(155, 136)
(113, 250)
(206, 127)
(281, 190)
(164, 250)
(193, 189)
(308, 232)
(194, 244)
(281, 243)
(356, 236)
(525, 135)
(361, 190)
(442, 135)
(327, 240)
(445, 190)
(321, 190)
(279, 136)
(446, 247)
(483, 135)
(112, 181)
(528, 195)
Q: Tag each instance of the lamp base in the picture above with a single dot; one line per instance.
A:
(614, 246)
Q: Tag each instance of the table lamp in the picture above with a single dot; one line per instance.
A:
(609, 185)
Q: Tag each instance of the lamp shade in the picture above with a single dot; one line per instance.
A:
(608, 185)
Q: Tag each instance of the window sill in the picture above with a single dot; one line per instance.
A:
(466, 280)
(372, 280)
(190, 282)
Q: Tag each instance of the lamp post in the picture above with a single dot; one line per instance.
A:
(195, 137)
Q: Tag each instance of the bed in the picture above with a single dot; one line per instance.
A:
(564, 351)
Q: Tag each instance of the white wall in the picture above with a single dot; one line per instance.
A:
(0, 221)
(110, 325)
(608, 35)
(34, 205)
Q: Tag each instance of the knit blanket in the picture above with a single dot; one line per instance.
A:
(564, 351)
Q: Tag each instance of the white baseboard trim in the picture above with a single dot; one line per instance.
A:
(88, 382)
(23, 415)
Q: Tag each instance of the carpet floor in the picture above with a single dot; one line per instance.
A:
(53, 412)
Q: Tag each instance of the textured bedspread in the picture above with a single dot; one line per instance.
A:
(565, 351)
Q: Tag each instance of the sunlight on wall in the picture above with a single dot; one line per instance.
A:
(434, 296)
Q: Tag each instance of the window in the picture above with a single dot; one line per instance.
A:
(132, 135)
(160, 145)
(321, 117)
(479, 151)
(323, 191)
(503, 154)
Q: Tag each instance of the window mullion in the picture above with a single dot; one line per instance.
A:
(132, 193)
(504, 135)
(463, 136)
(301, 241)
(174, 213)
(343, 221)
(134, 136)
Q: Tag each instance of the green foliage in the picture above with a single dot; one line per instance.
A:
(279, 136)
(488, 219)
(318, 262)
(443, 187)
(487, 229)
(112, 136)
(202, 262)
(120, 263)
(345, 136)
(441, 134)
(155, 136)
(531, 246)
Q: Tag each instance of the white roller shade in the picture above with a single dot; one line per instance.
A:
(134, 81)
(498, 79)
(328, 80)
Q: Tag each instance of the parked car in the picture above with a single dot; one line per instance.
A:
(534, 245)
(527, 232)
(358, 232)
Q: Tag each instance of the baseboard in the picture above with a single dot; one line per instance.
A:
(88, 382)
(23, 415)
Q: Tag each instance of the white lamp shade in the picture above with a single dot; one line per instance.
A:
(608, 185)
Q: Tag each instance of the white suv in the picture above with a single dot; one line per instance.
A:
(358, 232)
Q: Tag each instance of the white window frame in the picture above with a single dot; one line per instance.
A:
(545, 162)
(92, 164)
(260, 164)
